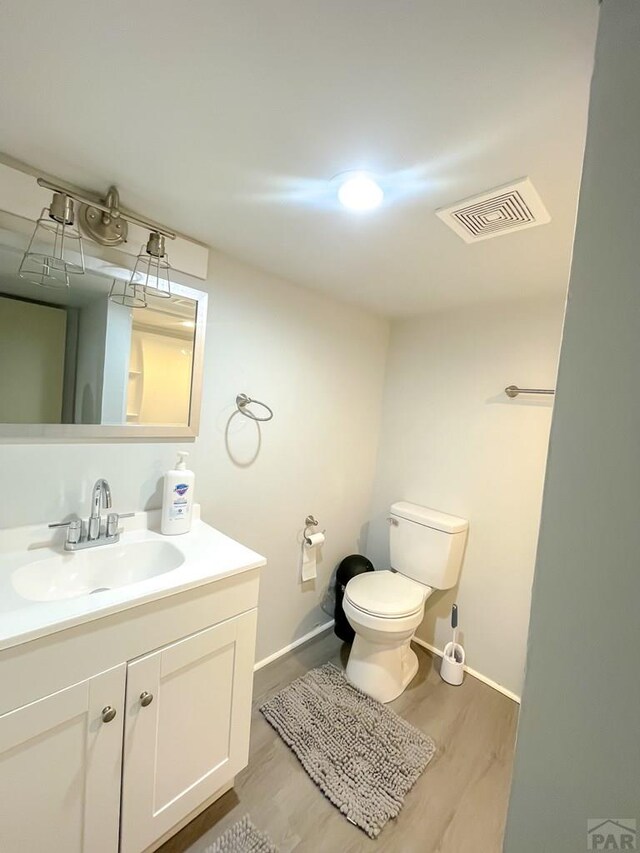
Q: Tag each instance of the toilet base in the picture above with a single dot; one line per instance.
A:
(382, 670)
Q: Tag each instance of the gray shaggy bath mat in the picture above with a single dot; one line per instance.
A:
(243, 837)
(363, 756)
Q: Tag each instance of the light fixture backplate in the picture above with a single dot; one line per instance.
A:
(104, 229)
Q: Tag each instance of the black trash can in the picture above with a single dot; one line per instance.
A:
(354, 564)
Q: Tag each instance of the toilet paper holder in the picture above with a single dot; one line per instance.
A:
(310, 521)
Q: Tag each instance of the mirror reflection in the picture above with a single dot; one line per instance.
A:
(73, 356)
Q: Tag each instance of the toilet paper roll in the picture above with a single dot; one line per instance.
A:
(309, 555)
(314, 540)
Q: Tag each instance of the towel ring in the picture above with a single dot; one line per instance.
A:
(242, 401)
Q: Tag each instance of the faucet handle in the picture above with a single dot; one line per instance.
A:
(112, 522)
(74, 529)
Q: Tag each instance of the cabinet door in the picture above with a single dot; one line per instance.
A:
(193, 736)
(60, 769)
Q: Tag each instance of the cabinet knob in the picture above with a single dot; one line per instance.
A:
(146, 698)
(108, 714)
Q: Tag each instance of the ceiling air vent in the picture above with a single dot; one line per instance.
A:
(500, 211)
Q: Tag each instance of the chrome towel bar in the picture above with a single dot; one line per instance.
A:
(513, 391)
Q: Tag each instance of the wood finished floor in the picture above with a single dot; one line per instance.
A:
(457, 806)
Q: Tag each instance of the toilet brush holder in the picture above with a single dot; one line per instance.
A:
(452, 666)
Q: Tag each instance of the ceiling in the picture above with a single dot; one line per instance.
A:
(226, 119)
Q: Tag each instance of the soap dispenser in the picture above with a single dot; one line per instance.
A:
(177, 498)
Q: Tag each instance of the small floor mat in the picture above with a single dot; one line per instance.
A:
(243, 837)
(362, 755)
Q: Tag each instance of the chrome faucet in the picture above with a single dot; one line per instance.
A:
(101, 496)
(91, 534)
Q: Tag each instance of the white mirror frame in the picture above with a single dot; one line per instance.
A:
(89, 432)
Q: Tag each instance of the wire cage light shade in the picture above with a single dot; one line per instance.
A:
(152, 270)
(128, 293)
(55, 249)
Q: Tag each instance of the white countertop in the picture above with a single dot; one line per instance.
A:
(208, 556)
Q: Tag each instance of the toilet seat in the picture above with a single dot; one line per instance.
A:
(386, 595)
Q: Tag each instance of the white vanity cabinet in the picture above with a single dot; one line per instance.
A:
(116, 732)
(186, 727)
(60, 769)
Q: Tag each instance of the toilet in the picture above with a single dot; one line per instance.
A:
(385, 608)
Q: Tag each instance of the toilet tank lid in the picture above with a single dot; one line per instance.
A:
(429, 517)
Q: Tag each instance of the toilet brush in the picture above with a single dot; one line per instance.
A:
(454, 627)
(452, 667)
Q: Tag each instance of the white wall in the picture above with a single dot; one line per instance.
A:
(32, 342)
(578, 750)
(320, 365)
(117, 348)
(104, 344)
(452, 440)
(92, 337)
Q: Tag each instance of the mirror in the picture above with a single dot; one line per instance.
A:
(75, 364)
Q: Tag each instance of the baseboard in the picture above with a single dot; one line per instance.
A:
(319, 629)
(513, 696)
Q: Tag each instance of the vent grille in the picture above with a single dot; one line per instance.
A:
(510, 208)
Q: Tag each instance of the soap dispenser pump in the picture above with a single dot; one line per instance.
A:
(177, 498)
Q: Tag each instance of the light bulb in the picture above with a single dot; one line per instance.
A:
(359, 191)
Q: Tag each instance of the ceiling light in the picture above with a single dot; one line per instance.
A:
(359, 191)
(55, 249)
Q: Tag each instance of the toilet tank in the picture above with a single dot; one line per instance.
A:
(426, 545)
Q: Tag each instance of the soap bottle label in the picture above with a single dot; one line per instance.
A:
(180, 503)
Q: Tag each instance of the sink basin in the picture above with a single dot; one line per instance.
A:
(74, 574)
(45, 589)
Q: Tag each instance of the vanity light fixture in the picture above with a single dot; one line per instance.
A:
(55, 250)
(359, 191)
(128, 293)
(150, 276)
(152, 268)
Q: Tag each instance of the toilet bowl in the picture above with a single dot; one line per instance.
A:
(384, 609)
